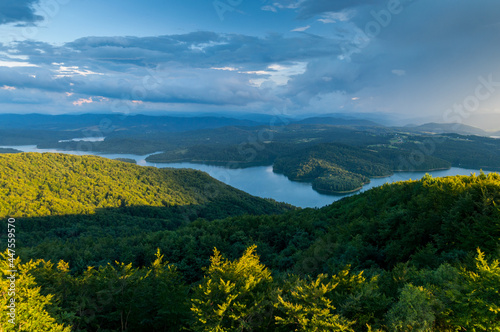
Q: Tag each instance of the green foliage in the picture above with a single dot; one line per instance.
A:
(234, 296)
(332, 168)
(29, 310)
(33, 184)
(304, 306)
(414, 311)
(426, 222)
(411, 248)
(117, 297)
(475, 301)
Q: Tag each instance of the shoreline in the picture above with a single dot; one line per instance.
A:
(425, 170)
(336, 193)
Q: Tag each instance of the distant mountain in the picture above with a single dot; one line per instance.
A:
(337, 121)
(381, 118)
(442, 128)
(112, 122)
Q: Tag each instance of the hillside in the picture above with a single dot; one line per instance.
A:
(338, 168)
(417, 255)
(33, 184)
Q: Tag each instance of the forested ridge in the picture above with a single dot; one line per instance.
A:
(36, 185)
(410, 256)
(339, 168)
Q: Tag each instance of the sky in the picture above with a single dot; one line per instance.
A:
(414, 59)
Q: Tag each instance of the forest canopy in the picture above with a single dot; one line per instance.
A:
(416, 255)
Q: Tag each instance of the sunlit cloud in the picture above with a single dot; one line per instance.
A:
(70, 71)
(277, 74)
(82, 101)
(89, 100)
(6, 87)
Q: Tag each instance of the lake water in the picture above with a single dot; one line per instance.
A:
(262, 181)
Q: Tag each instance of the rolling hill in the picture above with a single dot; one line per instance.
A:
(33, 184)
(110, 246)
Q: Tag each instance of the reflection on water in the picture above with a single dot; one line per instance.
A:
(262, 181)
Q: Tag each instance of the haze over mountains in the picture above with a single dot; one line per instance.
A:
(189, 122)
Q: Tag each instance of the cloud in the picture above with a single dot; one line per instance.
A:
(196, 68)
(13, 64)
(71, 71)
(311, 8)
(338, 68)
(225, 68)
(334, 17)
(269, 9)
(21, 12)
(82, 101)
(301, 29)
(276, 75)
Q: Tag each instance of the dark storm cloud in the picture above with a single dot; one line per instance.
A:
(21, 12)
(205, 49)
(423, 57)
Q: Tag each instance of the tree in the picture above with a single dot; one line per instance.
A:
(304, 305)
(476, 301)
(234, 296)
(415, 310)
(29, 306)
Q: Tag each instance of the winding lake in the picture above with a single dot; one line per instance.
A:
(262, 181)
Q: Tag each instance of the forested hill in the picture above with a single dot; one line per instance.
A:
(33, 184)
(409, 256)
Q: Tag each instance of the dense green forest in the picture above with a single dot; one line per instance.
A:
(410, 256)
(36, 185)
(338, 168)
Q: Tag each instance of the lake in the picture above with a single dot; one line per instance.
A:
(262, 181)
